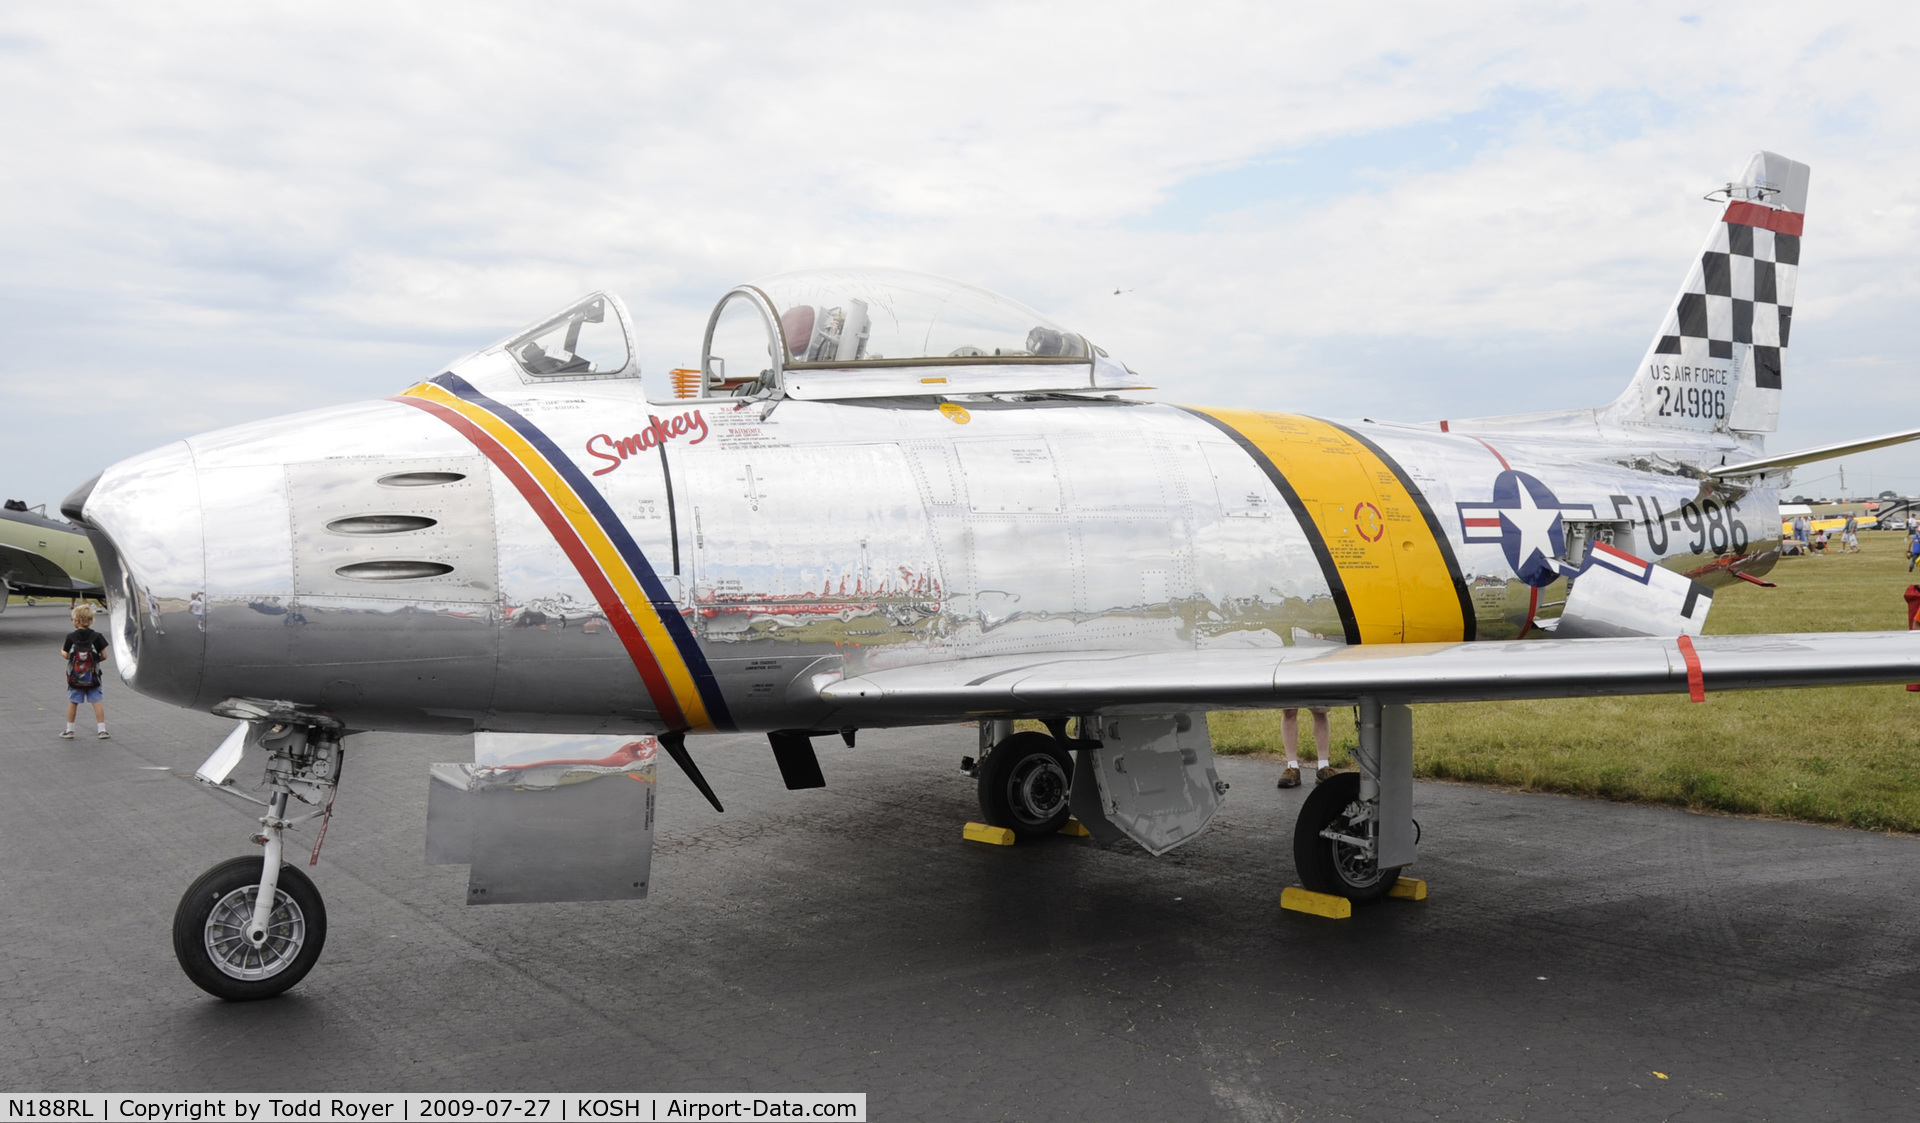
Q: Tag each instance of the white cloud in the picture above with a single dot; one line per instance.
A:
(215, 212)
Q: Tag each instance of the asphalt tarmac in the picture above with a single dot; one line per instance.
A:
(1575, 960)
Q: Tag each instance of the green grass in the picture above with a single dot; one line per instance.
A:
(1846, 755)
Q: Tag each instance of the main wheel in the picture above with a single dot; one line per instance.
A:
(209, 930)
(1328, 866)
(1024, 783)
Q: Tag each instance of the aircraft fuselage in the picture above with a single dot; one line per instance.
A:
(578, 559)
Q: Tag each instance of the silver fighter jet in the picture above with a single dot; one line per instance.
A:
(891, 499)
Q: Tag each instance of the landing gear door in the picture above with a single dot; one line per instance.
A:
(546, 818)
(1155, 777)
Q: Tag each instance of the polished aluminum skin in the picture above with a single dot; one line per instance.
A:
(811, 537)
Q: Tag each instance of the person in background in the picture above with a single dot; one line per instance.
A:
(1819, 540)
(1290, 739)
(1850, 535)
(83, 652)
(1913, 545)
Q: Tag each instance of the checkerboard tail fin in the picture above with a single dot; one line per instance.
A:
(1715, 364)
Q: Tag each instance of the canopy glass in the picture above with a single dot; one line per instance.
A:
(838, 317)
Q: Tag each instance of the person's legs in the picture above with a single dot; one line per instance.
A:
(1322, 742)
(1290, 740)
(73, 707)
(100, 717)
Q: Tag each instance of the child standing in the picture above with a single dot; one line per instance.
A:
(83, 652)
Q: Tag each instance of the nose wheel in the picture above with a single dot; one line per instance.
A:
(251, 927)
(225, 953)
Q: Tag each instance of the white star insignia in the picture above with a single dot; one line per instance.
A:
(1535, 525)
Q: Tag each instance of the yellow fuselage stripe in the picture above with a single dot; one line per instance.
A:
(672, 664)
(1396, 573)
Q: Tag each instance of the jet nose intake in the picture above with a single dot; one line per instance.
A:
(143, 515)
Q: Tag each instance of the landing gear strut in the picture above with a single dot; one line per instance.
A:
(1356, 830)
(252, 927)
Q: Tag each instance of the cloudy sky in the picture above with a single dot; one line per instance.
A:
(219, 212)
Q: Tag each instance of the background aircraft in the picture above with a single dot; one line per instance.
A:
(894, 499)
(43, 557)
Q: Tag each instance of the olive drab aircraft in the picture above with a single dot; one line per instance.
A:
(43, 557)
(889, 499)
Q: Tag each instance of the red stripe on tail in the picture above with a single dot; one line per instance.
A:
(1753, 214)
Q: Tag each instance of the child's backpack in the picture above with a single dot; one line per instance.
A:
(83, 667)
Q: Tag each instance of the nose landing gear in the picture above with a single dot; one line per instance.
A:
(252, 927)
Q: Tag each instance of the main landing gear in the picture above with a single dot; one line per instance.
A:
(1332, 847)
(1025, 783)
(252, 927)
(1356, 829)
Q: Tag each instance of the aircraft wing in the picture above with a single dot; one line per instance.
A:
(1050, 685)
(27, 571)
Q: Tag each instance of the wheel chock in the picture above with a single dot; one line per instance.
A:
(992, 836)
(1296, 899)
(1409, 889)
(1076, 829)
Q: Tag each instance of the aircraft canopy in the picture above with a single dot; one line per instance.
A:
(836, 317)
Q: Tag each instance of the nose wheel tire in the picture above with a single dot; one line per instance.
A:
(209, 931)
(1024, 784)
(1329, 866)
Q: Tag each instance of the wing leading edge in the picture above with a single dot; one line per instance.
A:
(1111, 682)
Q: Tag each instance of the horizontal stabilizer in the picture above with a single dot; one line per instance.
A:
(1812, 455)
(1038, 686)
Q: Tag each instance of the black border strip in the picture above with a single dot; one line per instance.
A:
(673, 518)
(1312, 529)
(1470, 627)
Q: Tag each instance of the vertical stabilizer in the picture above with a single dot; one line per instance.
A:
(1715, 365)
